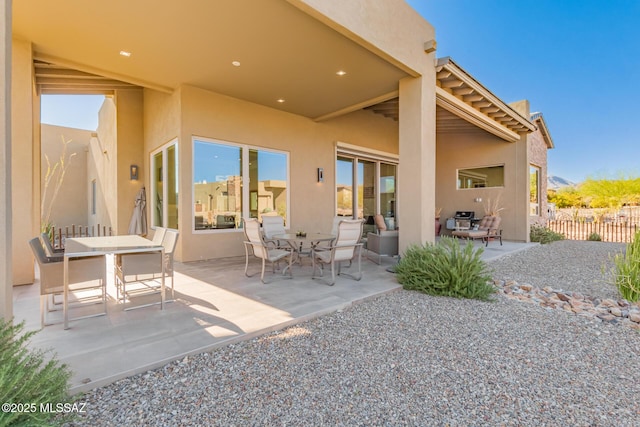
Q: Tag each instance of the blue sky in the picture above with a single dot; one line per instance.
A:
(574, 60)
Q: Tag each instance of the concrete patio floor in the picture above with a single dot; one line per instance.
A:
(215, 305)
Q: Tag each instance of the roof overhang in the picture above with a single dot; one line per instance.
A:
(460, 94)
(538, 119)
(274, 53)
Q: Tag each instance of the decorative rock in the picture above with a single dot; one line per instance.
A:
(634, 317)
(615, 311)
(607, 310)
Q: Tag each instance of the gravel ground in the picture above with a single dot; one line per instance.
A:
(410, 359)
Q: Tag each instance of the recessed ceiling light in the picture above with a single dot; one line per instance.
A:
(125, 53)
(341, 72)
(280, 100)
(235, 63)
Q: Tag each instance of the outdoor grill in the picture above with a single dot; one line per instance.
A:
(461, 220)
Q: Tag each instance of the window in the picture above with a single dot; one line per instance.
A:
(164, 186)
(368, 182)
(490, 176)
(233, 181)
(534, 190)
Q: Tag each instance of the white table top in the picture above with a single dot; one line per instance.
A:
(102, 245)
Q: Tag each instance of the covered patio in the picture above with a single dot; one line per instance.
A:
(215, 305)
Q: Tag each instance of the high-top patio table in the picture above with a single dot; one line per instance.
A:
(300, 243)
(79, 247)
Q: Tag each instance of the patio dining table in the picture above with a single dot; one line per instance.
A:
(79, 247)
(300, 243)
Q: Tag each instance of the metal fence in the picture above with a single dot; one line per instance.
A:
(608, 231)
(58, 235)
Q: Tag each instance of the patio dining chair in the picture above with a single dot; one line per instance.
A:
(49, 249)
(85, 274)
(345, 247)
(271, 226)
(145, 269)
(255, 241)
(158, 235)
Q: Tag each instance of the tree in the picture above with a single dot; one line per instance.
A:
(610, 193)
(566, 197)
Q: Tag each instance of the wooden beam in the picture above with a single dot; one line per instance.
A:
(472, 98)
(481, 104)
(463, 91)
(491, 109)
(452, 83)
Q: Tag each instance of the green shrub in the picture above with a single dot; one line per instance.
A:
(594, 237)
(27, 379)
(627, 270)
(543, 235)
(445, 269)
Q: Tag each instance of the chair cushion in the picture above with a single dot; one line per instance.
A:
(489, 222)
(380, 224)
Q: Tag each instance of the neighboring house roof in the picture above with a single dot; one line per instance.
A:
(542, 127)
(461, 94)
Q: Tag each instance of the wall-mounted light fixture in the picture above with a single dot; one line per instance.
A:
(133, 172)
(478, 200)
(320, 175)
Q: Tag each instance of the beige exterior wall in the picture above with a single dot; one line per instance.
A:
(25, 213)
(401, 42)
(310, 145)
(130, 151)
(119, 144)
(417, 169)
(6, 292)
(103, 154)
(481, 149)
(70, 206)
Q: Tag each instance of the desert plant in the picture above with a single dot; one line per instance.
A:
(28, 380)
(544, 235)
(594, 237)
(493, 207)
(56, 174)
(627, 270)
(445, 269)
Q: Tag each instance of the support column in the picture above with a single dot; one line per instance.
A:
(417, 170)
(6, 286)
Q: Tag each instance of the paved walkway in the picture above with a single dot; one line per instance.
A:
(215, 305)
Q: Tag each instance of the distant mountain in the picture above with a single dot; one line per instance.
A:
(556, 182)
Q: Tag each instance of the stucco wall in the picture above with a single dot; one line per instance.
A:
(119, 145)
(129, 113)
(310, 144)
(481, 149)
(25, 222)
(103, 166)
(404, 35)
(70, 205)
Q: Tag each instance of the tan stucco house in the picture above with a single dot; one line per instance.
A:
(307, 108)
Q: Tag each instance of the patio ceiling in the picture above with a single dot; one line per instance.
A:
(283, 53)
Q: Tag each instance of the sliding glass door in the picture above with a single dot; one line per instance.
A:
(369, 185)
